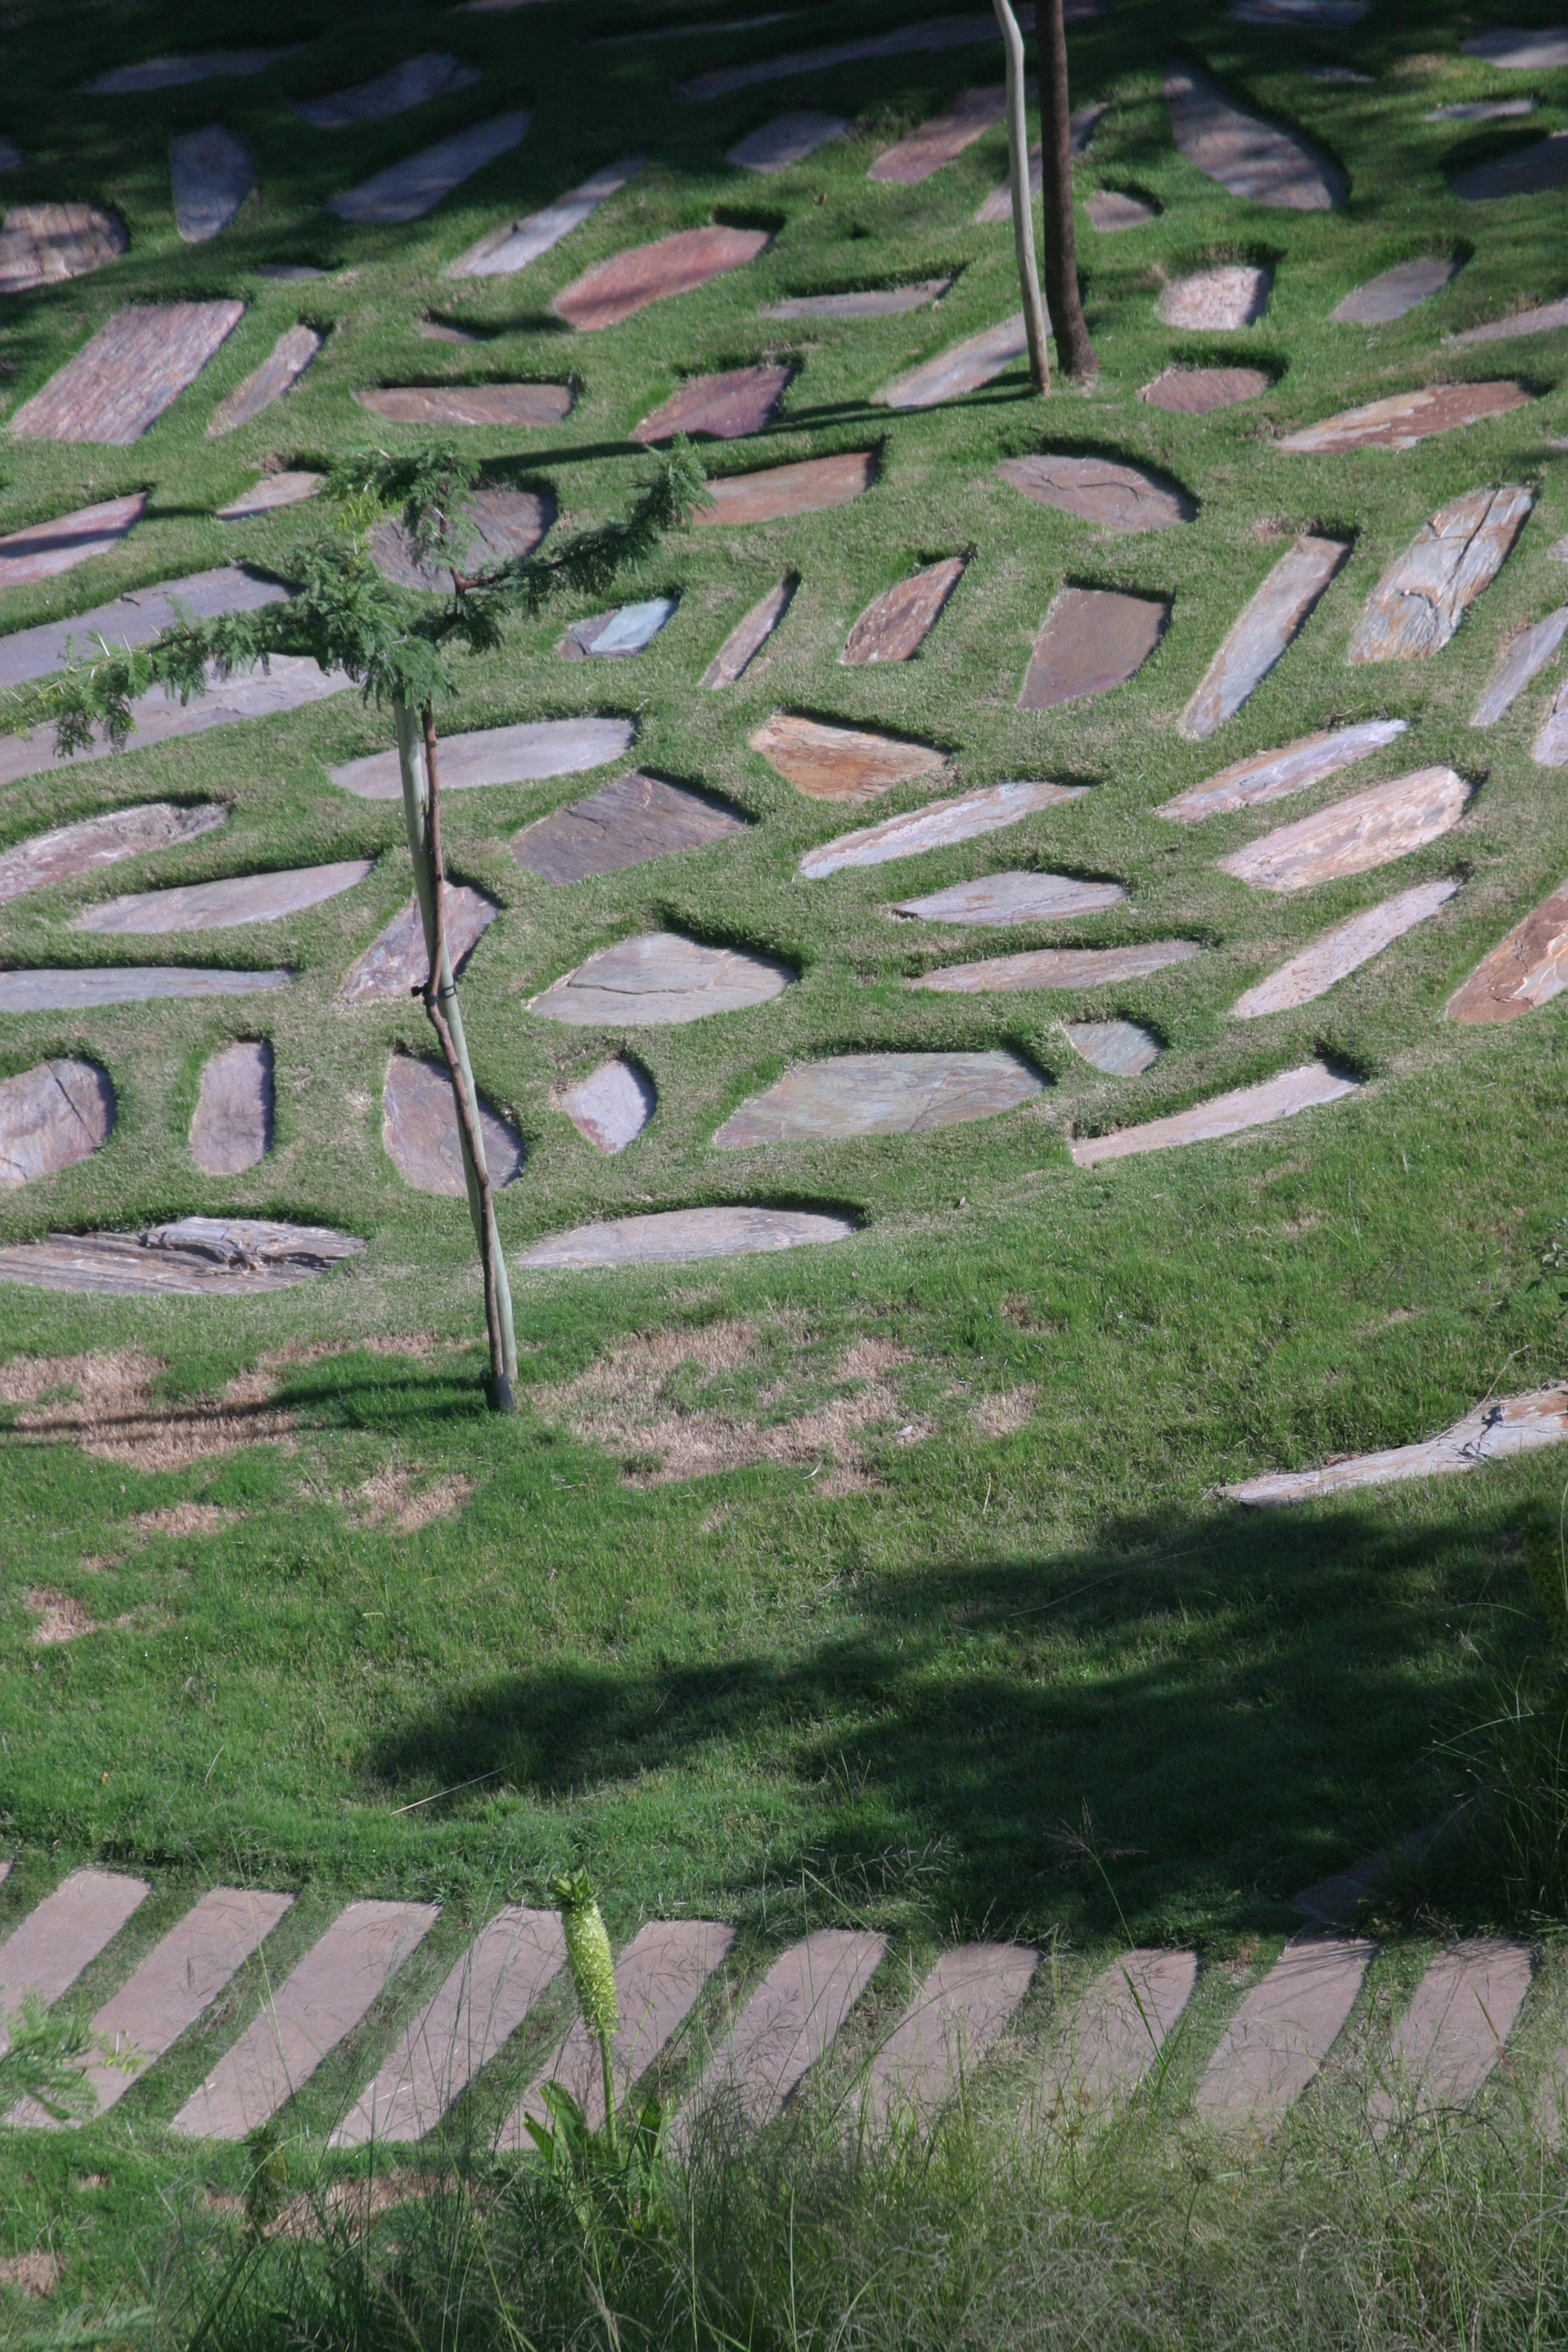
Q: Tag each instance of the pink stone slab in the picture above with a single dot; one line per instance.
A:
(1549, 748)
(936, 32)
(408, 191)
(1118, 2030)
(419, 1131)
(288, 684)
(1526, 969)
(967, 818)
(1417, 605)
(174, 73)
(1545, 320)
(51, 1117)
(135, 367)
(231, 1127)
(415, 82)
(1092, 640)
(938, 142)
(224, 906)
(631, 821)
(43, 245)
(1058, 968)
(963, 368)
(840, 764)
(1274, 775)
(213, 171)
(658, 1978)
(506, 250)
(1541, 51)
(484, 2000)
(98, 841)
(42, 551)
(747, 638)
(1283, 2031)
(46, 1953)
(1231, 1114)
(284, 366)
(198, 1257)
(503, 525)
(1015, 897)
(271, 491)
(1262, 633)
(618, 289)
(865, 302)
(968, 1999)
(1452, 2035)
(661, 980)
(1120, 499)
(722, 407)
(1111, 210)
(1526, 654)
(1249, 158)
(1218, 301)
(396, 962)
(611, 1105)
(321, 2001)
(681, 1236)
(895, 625)
(1406, 418)
(879, 1094)
(88, 989)
(1120, 1048)
(529, 754)
(1494, 1432)
(1199, 391)
(134, 619)
(1341, 951)
(471, 405)
(790, 2021)
(1352, 837)
(1397, 291)
(1539, 170)
(786, 141)
(813, 487)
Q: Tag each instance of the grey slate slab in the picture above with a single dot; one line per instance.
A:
(503, 251)
(968, 817)
(965, 367)
(966, 2002)
(282, 369)
(609, 636)
(1120, 1048)
(1283, 2031)
(865, 302)
(935, 34)
(435, 73)
(502, 524)
(1058, 968)
(1526, 654)
(527, 754)
(790, 2022)
(46, 1952)
(1547, 319)
(660, 979)
(1497, 1431)
(1112, 210)
(273, 490)
(175, 73)
(231, 1127)
(395, 962)
(45, 244)
(1273, 775)
(1419, 604)
(1549, 748)
(1235, 1113)
(52, 1116)
(1539, 171)
(1012, 898)
(89, 987)
(1452, 2035)
(213, 171)
(1338, 952)
(787, 140)
(749, 634)
(851, 1095)
(1482, 109)
(1395, 292)
(1540, 51)
(408, 191)
(134, 368)
(681, 1236)
(611, 1106)
(419, 1130)
(1263, 633)
(1120, 499)
(1248, 158)
(134, 619)
(1091, 640)
(42, 551)
(96, 842)
(196, 1257)
(224, 906)
(631, 821)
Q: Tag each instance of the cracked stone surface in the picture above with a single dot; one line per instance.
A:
(87, 987)
(530, 754)
(1200, 392)
(395, 962)
(45, 244)
(195, 1258)
(231, 1128)
(726, 407)
(1407, 418)
(611, 1106)
(1397, 291)
(895, 625)
(841, 764)
(1545, 320)
(1120, 499)
(941, 140)
(1495, 1431)
(224, 906)
(965, 2004)
(812, 487)
(1120, 1048)
(51, 1117)
(504, 523)
(213, 171)
(273, 490)
(1282, 2032)
(505, 250)
(965, 368)
(408, 191)
(618, 289)
(134, 368)
(282, 369)
(1111, 210)
(867, 302)
(1417, 605)
(471, 405)
(1274, 775)
(1262, 633)
(1235, 1113)
(879, 1094)
(95, 841)
(968, 817)
(1092, 640)
(42, 551)
(1354, 836)
(1119, 2028)
(1343, 950)
(630, 629)
(1247, 157)
(1015, 897)
(661, 980)
(787, 140)
(432, 74)
(134, 619)
(679, 1236)
(749, 634)
(291, 681)
(790, 2022)
(1043, 968)
(1526, 654)
(175, 73)
(1218, 301)
(630, 821)
(419, 1130)
(1539, 171)
(1528, 968)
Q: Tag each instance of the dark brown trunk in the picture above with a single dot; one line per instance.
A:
(1075, 352)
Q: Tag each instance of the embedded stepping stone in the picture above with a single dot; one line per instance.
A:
(1336, 14)
(1111, 210)
(661, 980)
(1526, 654)
(531, 753)
(936, 32)
(1415, 608)
(967, 818)
(231, 1128)
(1229, 1114)
(1262, 633)
(396, 962)
(10, 156)
(1119, 1048)
(288, 684)
(1482, 109)
(895, 625)
(1283, 2031)
(1251, 159)
(46, 1953)
(1218, 301)
(194, 1258)
(284, 366)
(1120, 499)
(1383, 299)
(213, 171)
(748, 637)
(504, 524)
(1538, 52)
(1081, 126)
(1549, 748)
(51, 1118)
(965, 2004)
(482, 2003)
(1530, 967)
(408, 191)
(1341, 951)
(865, 302)
(1056, 968)
(618, 289)
(724, 407)
(322, 1999)
(631, 821)
(415, 82)
(1407, 418)
(1353, 836)
(1545, 320)
(1495, 1431)
(611, 1105)
(681, 1236)
(1012, 898)
(174, 73)
(42, 551)
(224, 906)
(90, 988)
(419, 1131)
(506, 250)
(841, 764)
(790, 2021)
(1092, 640)
(788, 140)
(273, 490)
(1274, 775)
(471, 405)
(1539, 170)
(1452, 2035)
(1199, 391)
(879, 1094)
(134, 619)
(630, 629)
(135, 367)
(45, 244)
(963, 368)
(941, 140)
(100, 841)
(813, 487)
(441, 330)
(1118, 2030)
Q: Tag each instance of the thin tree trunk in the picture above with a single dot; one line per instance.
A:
(1075, 352)
(1035, 323)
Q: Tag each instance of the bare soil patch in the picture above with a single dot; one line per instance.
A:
(104, 1402)
(394, 1499)
(37, 2274)
(60, 1618)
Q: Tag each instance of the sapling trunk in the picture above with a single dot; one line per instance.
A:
(1035, 323)
(1075, 352)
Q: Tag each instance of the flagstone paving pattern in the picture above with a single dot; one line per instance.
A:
(273, 490)
(1218, 301)
(470, 406)
(1351, 837)
(1529, 968)
(1222, 1114)
(966, 818)
(1092, 640)
(1249, 158)
(213, 171)
(724, 407)
(1494, 1432)
(432, 74)
(1407, 418)
(134, 619)
(1015, 897)
(46, 1953)
(789, 2022)
(841, 764)
(196, 1257)
(45, 244)
(1535, 173)
(629, 630)
(1452, 2034)
(1525, 655)
(1396, 292)
(85, 989)
(51, 1118)
(290, 682)
(879, 1094)
(506, 250)
(1118, 2030)
(504, 524)
(396, 962)
(787, 140)
(660, 979)
(897, 624)
(635, 819)
(1200, 392)
(223, 906)
(408, 191)
(530, 754)
(1343, 950)
(941, 140)
(619, 288)
(1274, 775)
(231, 1128)
(1120, 499)
(1263, 633)
(1417, 605)
(282, 369)
(419, 1130)
(134, 368)
(966, 2002)
(747, 638)
(42, 551)
(1056, 968)
(98, 841)
(681, 1236)
(813, 487)
(1119, 1048)
(866, 302)
(611, 1106)
(965, 368)
(1283, 2031)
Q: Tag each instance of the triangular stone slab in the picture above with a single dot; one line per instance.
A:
(1452, 2035)
(1263, 633)
(198, 1258)
(1274, 775)
(814, 486)
(213, 172)
(790, 2022)
(1545, 320)
(419, 1131)
(620, 287)
(681, 1236)
(1058, 968)
(175, 73)
(432, 74)
(289, 683)
(747, 638)
(471, 407)
(282, 369)
(726, 407)
(1354, 836)
(1407, 418)
(45, 244)
(897, 624)
(46, 1953)
(1120, 1048)
(1247, 157)
(968, 818)
(1015, 897)
(1494, 1432)
(786, 141)
(90, 988)
(273, 490)
(629, 630)
(506, 250)
(1284, 2030)
(42, 551)
(1200, 392)
(231, 1128)
(1530, 967)
(1526, 653)
(96, 842)
(1395, 292)
(965, 367)
(1235, 1113)
(134, 619)
(1217, 301)
(841, 764)
(611, 1106)
(224, 906)
(134, 368)
(864, 302)
(661, 980)
(1092, 640)
(966, 2002)
(1120, 499)
(1343, 950)
(1111, 210)
(504, 524)
(879, 1094)
(1416, 606)
(51, 1117)
(1539, 170)
(632, 820)
(941, 140)
(408, 191)
(531, 753)
(395, 963)
(1118, 2030)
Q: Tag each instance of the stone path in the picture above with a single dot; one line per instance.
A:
(1452, 2035)
(1538, 52)
(1119, 2031)
(506, 250)
(419, 1131)
(1092, 640)
(1263, 633)
(786, 141)
(1370, 829)
(1545, 320)
(196, 1257)
(681, 1236)
(435, 73)
(48, 1950)
(213, 172)
(95, 841)
(1111, 210)
(1525, 655)
(618, 289)
(747, 638)
(51, 1117)
(134, 368)
(45, 244)
(1281, 2036)
(90, 988)
(965, 368)
(1081, 126)
(1120, 499)
(1222, 1114)
(504, 524)
(395, 962)
(661, 980)
(635, 819)
(813, 487)
(790, 2022)
(841, 764)
(611, 1106)
(134, 619)
(1217, 301)
(1530, 967)
(273, 490)
(1407, 418)
(967, 818)
(879, 1094)
(1415, 608)
(966, 2002)
(174, 73)
(1041, 967)
(473, 406)
(1343, 950)
(895, 625)
(1016, 897)
(531, 753)
(42, 551)
(408, 191)
(224, 906)
(865, 302)
(1493, 1433)
(726, 407)
(629, 630)
(1248, 158)
(941, 140)
(1274, 775)
(936, 34)
(1200, 392)
(231, 1128)
(282, 369)
(1539, 171)
(1397, 291)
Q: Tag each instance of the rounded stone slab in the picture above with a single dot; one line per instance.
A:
(1494, 1432)
(1539, 171)
(1343, 950)
(1200, 392)
(503, 251)
(1407, 418)
(231, 1127)
(505, 524)
(408, 191)
(1043, 968)
(747, 638)
(134, 619)
(895, 625)
(1235, 1113)
(134, 368)
(965, 2003)
(1119, 2028)
(473, 406)
(396, 962)
(1452, 2034)
(609, 636)
(98, 841)
(225, 906)
(1525, 655)
(42, 551)
(1530, 967)
(1540, 51)
(1417, 605)
(1018, 898)
(1353, 836)
(213, 171)
(1111, 210)
(661, 980)
(419, 1130)
(1120, 1048)
(854, 1095)
(864, 302)
(1274, 775)
(432, 74)
(964, 368)
(618, 289)
(175, 73)
(531, 753)
(1120, 499)
(1092, 640)
(1262, 633)
(787, 140)
(45, 244)
(1282, 2032)
(282, 369)
(288, 684)
(198, 1257)
(790, 2022)
(611, 1105)
(1247, 157)
(1386, 298)
(632, 821)
(52, 1116)
(941, 140)
(1217, 301)
(841, 764)
(726, 407)
(967, 818)
(813, 487)
(1545, 320)
(681, 1236)
(273, 490)
(88, 988)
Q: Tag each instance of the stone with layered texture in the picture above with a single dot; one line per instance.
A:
(175, 73)
(272, 491)
(1404, 419)
(966, 2002)
(134, 619)
(1247, 157)
(1526, 654)
(813, 487)
(225, 906)
(787, 2026)
(435, 73)
(1539, 170)
(1016, 897)
(51, 1118)
(1353, 836)
(42, 551)
(134, 368)
(786, 141)
(1546, 318)
(45, 244)
(1217, 301)
(1530, 967)
(95, 841)
(408, 191)
(1452, 2035)
(1549, 748)
(747, 638)
(198, 1257)
(852, 1095)
(1201, 392)
(661, 980)
(941, 140)
(1043, 968)
(231, 1128)
(611, 1106)
(503, 251)
(395, 963)
(504, 525)
(967, 818)
(473, 407)
(419, 1131)
(1120, 499)
(682, 1236)
(1282, 2033)
(617, 636)
(1416, 606)
(862, 303)
(1119, 2028)
(726, 407)
(620, 287)
(632, 821)
(1494, 1432)
(1395, 292)
(1263, 633)
(1119, 1048)
(213, 171)
(1236, 1113)
(895, 625)
(1343, 950)
(282, 369)
(841, 764)
(530, 754)
(63, 1933)
(1274, 775)
(290, 682)
(88, 988)
(965, 368)
(1092, 640)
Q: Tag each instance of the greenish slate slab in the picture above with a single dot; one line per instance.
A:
(419, 1130)
(98, 841)
(52, 1116)
(506, 250)
(435, 73)
(681, 1236)
(1397, 291)
(531, 753)
(408, 191)
(1497, 1431)
(852, 1095)
(1262, 633)
(632, 820)
(661, 980)
(630, 629)
(223, 906)
(1120, 1048)
(1416, 606)
(134, 619)
(288, 684)
(231, 1127)
(1014, 897)
(198, 1257)
(282, 369)
(213, 171)
(88, 988)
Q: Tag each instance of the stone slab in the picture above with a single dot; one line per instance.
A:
(1014, 897)
(1452, 2035)
(134, 619)
(681, 1236)
(282, 369)
(790, 2022)
(968, 818)
(531, 753)
(473, 406)
(1526, 654)
(1120, 499)
(1540, 51)
(231, 1127)
(196, 1257)
(1343, 950)
(1539, 170)
(45, 244)
(1044, 967)
(395, 962)
(1112, 210)
(225, 906)
(941, 140)
(1494, 1432)
(618, 289)
(968, 1999)
(1417, 605)
(293, 273)
(321, 2001)
(419, 1131)
(1332, 14)
(725, 408)
(661, 980)
(786, 141)
(482, 2003)
(1119, 2028)
(98, 841)
(1545, 320)
(1407, 418)
(963, 368)
(704, 28)
(408, 191)
(90, 988)
(48, 1950)
(1248, 158)
(618, 636)
(1120, 1048)
(1222, 1114)
(841, 764)
(272, 491)
(1262, 633)
(747, 638)
(936, 34)
(1092, 640)
(611, 1106)
(635, 819)
(502, 524)
(1530, 967)
(1370, 829)
(1395, 292)
(175, 73)
(1482, 109)
(895, 625)
(435, 73)
(1282, 2032)
(213, 171)
(1217, 301)
(1274, 775)
(862, 303)
(879, 1094)
(42, 551)
(1200, 392)
(998, 204)
(1549, 748)
(51, 1117)
(506, 250)
(813, 487)
(10, 156)
(134, 368)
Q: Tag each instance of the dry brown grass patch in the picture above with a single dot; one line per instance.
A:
(184, 1519)
(37, 2274)
(104, 1402)
(1005, 1414)
(351, 2204)
(391, 1498)
(60, 1618)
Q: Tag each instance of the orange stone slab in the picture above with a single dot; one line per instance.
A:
(937, 826)
(1235, 1113)
(1119, 2028)
(1274, 775)
(1120, 499)
(879, 1094)
(632, 821)
(419, 1131)
(43, 245)
(473, 406)
(1262, 633)
(1056, 968)
(1199, 391)
(611, 1106)
(747, 638)
(231, 1128)
(1530, 967)
(1452, 2035)
(790, 2022)
(813, 487)
(938, 142)
(1284, 2030)
(1407, 418)
(503, 525)
(46, 1953)
(682, 1236)
(1092, 640)
(134, 368)
(282, 369)
(895, 625)
(618, 289)
(717, 407)
(661, 980)
(963, 368)
(42, 551)
(1247, 157)
(396, 962)
(841, 764)
(1352, 837)
(1417, 605)
(96, 842)
(1018, 898)
(967, 2001)
(1494, 1432)
(1343, 950)
(52, 1116)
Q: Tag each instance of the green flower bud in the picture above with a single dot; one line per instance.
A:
(587, 1951)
